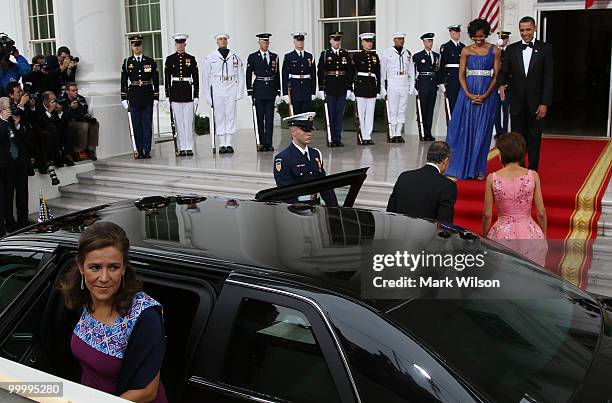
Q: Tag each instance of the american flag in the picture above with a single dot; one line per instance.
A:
(588, 3)
(491, 11)
(44, 214)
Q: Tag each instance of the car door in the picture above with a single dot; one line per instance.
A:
(264, 344)
(345, 185)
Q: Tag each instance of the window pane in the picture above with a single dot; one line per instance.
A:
(328, 28)
(32, 7)
(132, 19)
(32, 23)
(51, 27)
(36, 34)
(144, 21)
(368, 26)
(42, 7)
(147, 45)
(17, 269)
(349, 39)
(273, 351)
(142, 2)
(330, 8)
(348, 8)
(44, 28)
(155, 18)
(50, 6)
(367, 7)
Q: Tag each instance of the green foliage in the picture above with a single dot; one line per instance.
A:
(202, 125)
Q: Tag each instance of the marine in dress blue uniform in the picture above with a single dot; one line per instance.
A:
(335, 79)
(427, 66)
(502, 116)
(450, 53)
(299, 76)
(139, 93)
(263, 86)
(298, 162)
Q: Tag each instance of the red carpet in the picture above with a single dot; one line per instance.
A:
(574, 174)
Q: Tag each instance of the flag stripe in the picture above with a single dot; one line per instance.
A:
(490, 11)
(484, 11)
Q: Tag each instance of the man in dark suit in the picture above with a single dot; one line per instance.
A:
(263, 88)
(527, 72)
(426, 192)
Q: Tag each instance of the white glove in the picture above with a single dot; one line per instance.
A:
(383, 92)
(239, 95)
(379, 96)
(321, 94)
(196, 101)
(350, 95)
(286, 98)
(412, 91)
(125, 104)
(155, 102)
(208, 99)
(441, 88)
(313, 97)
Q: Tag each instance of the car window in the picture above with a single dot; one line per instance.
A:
(17, 269)
(273, 351)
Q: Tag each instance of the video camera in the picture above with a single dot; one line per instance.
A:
(7, 46)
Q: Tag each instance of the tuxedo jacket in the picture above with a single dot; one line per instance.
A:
(535, 88)
(425, 193)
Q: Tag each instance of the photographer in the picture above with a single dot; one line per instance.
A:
(52, 123)
(38, 80)
(5, 146)
(24, 106)
(83, 127)
(10, 71)
(63, 66)
(16, 185)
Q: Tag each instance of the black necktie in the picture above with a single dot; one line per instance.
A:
(301, 55)
(265, 55)
(526, 45)
(306, 155)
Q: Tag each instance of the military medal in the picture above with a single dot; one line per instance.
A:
(147, 68)
(187, 62)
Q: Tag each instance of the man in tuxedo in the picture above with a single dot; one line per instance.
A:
(426, 192)
(527, 72)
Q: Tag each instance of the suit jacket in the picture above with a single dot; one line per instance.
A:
(536, 88)
(268, 84)
(425, 193)
(5, 143)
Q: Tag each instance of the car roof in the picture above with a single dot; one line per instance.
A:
(320, 246)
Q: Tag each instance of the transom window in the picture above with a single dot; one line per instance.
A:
(42, 27)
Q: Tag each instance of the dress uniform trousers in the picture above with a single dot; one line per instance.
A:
(224, 94)
(142, 123)
(335, 108)
(365, 108)
(265, 120)
(427, 88)
(183, 122)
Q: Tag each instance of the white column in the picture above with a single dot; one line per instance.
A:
(93, 30)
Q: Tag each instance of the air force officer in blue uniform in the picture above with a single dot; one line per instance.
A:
(427, 66)
(298, 162)
(299, 76)
(263, 88)
(450, 53)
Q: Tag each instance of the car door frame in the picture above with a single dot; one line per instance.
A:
(214, 346)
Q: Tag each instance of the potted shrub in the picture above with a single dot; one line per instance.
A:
(202, 126)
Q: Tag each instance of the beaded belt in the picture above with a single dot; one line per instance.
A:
(336, 73)
(299, 77)
(264, 78)
(487, 73)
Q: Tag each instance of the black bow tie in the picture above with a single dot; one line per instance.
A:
(526, 45)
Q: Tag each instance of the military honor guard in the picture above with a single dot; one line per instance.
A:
(503, 114)
(299, 162)
(366, 84)
(335, 83)
(299, 77)
(139, 93)
(182, 84)
(427, 66)
(223, 85)
(397, 75)
(450, 53)
(263, 86)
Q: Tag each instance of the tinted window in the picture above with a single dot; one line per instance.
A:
(274, 351)
(16, 270)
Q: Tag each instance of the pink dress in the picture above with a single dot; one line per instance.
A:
(515, 228)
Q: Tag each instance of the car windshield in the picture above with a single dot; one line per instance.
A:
(512, 349)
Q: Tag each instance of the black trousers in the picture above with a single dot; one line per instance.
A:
(301, 106)
(16, 187)
(427, 97)
(56, 143)
(265, 120)
(524, 122)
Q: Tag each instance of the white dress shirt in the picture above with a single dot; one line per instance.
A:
(303, 150)
(434, 165)
(527, 56)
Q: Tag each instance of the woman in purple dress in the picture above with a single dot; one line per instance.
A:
(471, 125)
(119, 339)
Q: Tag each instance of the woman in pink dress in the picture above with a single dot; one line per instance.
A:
(515, 189)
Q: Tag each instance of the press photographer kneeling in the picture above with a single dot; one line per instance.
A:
(83, 127)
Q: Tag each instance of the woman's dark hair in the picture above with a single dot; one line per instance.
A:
(99, 236)
(479, 24)
(511, 147)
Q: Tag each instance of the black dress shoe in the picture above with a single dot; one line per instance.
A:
(91, 153)
(430, 138)
(400, 139)
(31, 171)
(339, 144)
(189, 153)
(147, 156)
(58, 164)
(229, 150)
(270, 148)
(393, 140)
(182, 153)
(68, 161)
(333, 144)
(76, 157)
(262, 148)
(222, 150)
